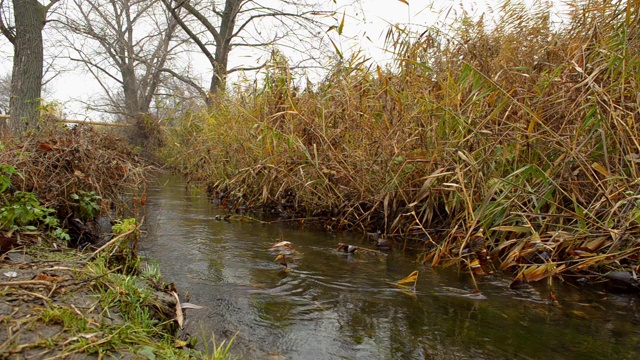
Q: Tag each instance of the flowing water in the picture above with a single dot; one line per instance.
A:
(332, 305)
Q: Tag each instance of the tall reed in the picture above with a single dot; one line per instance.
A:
(523, 129)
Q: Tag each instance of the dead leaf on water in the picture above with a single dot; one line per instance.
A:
(412, 278)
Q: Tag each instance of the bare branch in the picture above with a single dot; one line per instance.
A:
(6, 31)
(214, 32)
(189, 32)
(248, 68)
(186, 81)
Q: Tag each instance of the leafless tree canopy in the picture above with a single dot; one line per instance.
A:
(128, 46)
(220, 27)
(141, 52)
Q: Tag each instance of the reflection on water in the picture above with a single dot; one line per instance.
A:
(332, 305)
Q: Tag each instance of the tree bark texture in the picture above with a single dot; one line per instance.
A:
(223, 47)
(26, 81)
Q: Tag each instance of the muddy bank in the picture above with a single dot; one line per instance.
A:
(56, 303)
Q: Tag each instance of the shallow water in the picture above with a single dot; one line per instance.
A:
(332, 305)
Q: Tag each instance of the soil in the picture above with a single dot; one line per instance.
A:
(29, 286)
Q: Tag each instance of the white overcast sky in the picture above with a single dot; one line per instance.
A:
(365, 27)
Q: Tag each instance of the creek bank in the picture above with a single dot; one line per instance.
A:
(68, 288)
(55, 302)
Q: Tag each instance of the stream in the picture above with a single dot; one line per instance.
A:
(333, 305)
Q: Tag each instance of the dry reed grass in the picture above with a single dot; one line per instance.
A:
(528, 132)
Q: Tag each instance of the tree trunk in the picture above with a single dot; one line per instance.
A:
(26, 81)
(223, 48)
(130, 90)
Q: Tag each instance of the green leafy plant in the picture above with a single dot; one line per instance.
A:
(219, 351)
(22, 210)
(87, 203)
(124, 225)
(6, 171)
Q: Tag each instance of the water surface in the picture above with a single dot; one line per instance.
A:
(332, 305)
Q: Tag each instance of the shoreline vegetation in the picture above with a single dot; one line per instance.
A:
(524, 129)
(512, 147)
(67, 291)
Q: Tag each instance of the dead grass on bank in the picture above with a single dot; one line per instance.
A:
(58, 162)
(61, 303)
(527, 132)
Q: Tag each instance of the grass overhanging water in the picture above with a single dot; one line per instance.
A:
(524, 129)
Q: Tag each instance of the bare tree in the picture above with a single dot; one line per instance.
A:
(5, 94)
(219, 26)
(126, 42)
(28, 58)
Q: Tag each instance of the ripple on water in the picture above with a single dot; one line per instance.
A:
(332, 305)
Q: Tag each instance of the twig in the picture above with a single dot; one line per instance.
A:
(116, 239)
(26, 282)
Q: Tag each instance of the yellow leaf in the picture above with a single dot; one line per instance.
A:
(512, 259)
(599, 168)
(537, 272)
(596, 244)
(412, 278)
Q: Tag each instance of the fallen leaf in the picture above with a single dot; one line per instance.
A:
(191, 306)
(412, 278)
(79, 174)
(91, 337)
(179, 315)
(476, 267)
(45, 147)
(148, 352)
(180, 343)
(45, 277)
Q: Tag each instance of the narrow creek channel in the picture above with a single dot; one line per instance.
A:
(332, 305)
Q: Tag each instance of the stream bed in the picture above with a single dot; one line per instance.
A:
(333, 305)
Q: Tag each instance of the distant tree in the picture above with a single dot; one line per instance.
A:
(29, 19)
(219, 26)
(5, 94)
(129, 42)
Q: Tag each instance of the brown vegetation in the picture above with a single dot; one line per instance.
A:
(58, 162)
(524, 130)
(58, 302)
